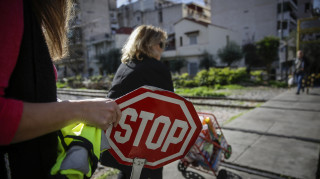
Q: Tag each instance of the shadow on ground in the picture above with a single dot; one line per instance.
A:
(223, 174)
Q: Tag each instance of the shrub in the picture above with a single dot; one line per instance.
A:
(183, 80)
(278, 84)
(257, 76)
(61, 84)
(212, 77)
(203, 78)
(75, 82)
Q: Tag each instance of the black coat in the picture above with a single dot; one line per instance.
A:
(137, 73)
(129, 77)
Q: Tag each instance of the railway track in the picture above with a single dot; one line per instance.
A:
(224, 102)
(255, 171)
(232, 166)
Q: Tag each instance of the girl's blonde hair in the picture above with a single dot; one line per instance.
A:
(54, 16)
(141, 41)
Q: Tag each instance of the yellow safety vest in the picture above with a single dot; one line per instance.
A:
(79, 150)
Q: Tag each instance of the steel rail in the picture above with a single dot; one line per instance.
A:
(305, 139)
(255, 171)
(72, 91)
(100, 93)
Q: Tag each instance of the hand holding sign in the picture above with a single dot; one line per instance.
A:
(156, 125)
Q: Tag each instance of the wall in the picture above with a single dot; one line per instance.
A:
(253, 19)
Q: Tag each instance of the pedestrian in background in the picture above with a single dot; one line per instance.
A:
(301, 66)
(140, 66)
(32, 34)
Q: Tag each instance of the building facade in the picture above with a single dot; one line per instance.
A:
(94, 30)
(255, 20)
(189, 28)
(193, 39)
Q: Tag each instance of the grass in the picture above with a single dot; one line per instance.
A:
(231, 87)
(235, 117)
(199, 91)
(110, 172)
(205, 91)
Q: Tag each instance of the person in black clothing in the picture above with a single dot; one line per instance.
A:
(140, 66)
(301, 67)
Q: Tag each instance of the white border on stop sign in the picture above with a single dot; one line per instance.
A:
(179, 102)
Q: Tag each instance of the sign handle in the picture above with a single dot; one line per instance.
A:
(138, 164)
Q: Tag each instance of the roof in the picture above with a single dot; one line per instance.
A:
(199, 22)
(124, 30)
(193, 20)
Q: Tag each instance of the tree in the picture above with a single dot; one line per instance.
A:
(207, 61)
(267, 50)
(230, 53)
(250, 55)
(176, 64)
(312, 53)
(110, 61)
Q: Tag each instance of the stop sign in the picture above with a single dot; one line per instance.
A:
(156, 125)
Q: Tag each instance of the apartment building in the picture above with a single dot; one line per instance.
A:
(161, 13)
(94, 30)
(255, 20)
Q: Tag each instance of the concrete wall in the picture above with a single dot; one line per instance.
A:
(120, 40)
(95, 17)
(253, 19)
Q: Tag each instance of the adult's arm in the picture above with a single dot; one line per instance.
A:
(41, 118)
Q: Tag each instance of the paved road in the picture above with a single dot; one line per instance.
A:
(280, 137)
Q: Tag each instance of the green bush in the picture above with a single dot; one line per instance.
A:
(184, 80)
(212, 77)
(93, 82)
(75, 82)
(278, 84)
(61, 84)
(257, 76)
(223, 76)
(203, 78)
(96, 78)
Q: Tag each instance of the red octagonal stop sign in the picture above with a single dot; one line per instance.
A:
(156, 125)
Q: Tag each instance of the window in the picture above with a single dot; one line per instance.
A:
(306, 7)
(160, 16)
(100, 48)
(284, 25)
(181, 42)
(171, 42)
(193, 39)
(286, 7)
(192, 68)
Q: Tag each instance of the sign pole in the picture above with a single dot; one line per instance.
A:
(138, 164)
